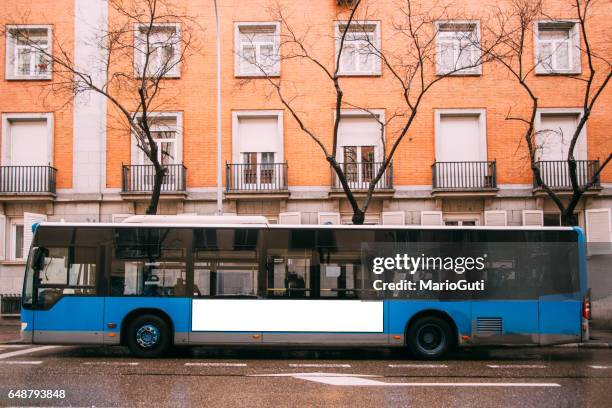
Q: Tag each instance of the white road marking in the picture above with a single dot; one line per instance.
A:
(418, 366)
(21, 362)
(112, 363)
(216, 364)
(600, 367)
(13, 345)
(27, 351)
(516, 366)
(309, 365)
(362, 380)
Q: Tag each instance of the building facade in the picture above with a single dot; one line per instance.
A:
(462, 163)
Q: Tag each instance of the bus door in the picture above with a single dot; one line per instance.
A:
(66, 308)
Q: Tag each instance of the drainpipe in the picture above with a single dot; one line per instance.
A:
(219, 139)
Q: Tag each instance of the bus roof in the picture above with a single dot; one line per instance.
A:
(261, 222)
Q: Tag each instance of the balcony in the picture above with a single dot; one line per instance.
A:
(27, 182)
(256, 179)
(460, 178)
(359, 175)
(137, 180)
(555, 174)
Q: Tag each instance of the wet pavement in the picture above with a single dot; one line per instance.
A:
(483, 377)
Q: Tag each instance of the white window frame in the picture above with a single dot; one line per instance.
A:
(239, 56)
(574, 51)
(482, 125)
(11, 49)
(476, 53)
(7, 118)
(175, 72)
(377, 68)
(12, 241)
(137, 155)
(561, 112)
(237, 115)
(460, 219)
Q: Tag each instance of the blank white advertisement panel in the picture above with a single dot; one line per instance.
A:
(249, 315)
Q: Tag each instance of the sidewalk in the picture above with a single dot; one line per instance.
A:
(10, 330)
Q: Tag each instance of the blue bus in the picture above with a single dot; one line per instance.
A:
(155, 282)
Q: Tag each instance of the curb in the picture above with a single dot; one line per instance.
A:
(589, 345)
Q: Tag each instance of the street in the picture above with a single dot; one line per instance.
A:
(484, 377)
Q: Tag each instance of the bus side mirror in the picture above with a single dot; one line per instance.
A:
(38, 258)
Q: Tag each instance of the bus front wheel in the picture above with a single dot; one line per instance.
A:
(430, 337)
(148, 336)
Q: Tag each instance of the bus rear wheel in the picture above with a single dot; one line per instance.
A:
(148, 336)
(430, 337)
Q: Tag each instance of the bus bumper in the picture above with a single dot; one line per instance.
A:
(26, 335)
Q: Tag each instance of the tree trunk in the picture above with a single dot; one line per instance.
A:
(568, 218)
(160, 172)
(358, 217)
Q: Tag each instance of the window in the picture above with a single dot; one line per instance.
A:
(149, 262)
(457, 48)
(461, 220)
(361, 147)
(360, 48)
(359, 163)
(226, 262)
(28, 49)
(257, 49)
(157, 51)
(289, 273)
(17, 239)
(557, 47)
(258, 174)
(66, 271)
(257, 151)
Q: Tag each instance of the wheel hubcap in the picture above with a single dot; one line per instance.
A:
(430, 338)
(147, 336)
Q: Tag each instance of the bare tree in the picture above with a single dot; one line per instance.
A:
(146, 43)
(415, 68)
(513, 25)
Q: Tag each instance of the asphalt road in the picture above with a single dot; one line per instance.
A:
(492, 377)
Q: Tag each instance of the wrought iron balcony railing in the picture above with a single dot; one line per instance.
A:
(464, 176)
(556, 174)
(253, 178)
(27, 179)
(140, 178)
(359, 175)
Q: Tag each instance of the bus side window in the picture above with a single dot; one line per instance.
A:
(226, 262)
(150, 262)
(66, 271)
(288, 273)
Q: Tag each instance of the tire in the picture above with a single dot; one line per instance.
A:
(148, 336)
(430, 338)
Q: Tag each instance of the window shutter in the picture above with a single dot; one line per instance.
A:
(2, 235)
(496, 218)
(533, 218)
(290, 218)
(576, 51)
(431, 218)
(598, 225)
(394, 218)
(329, 218)
(29, 219)
(119, 217)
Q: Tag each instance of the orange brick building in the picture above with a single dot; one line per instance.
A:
(69, 159)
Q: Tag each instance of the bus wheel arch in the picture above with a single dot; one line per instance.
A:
(433, 317)
(139, 313)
